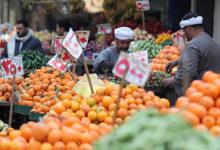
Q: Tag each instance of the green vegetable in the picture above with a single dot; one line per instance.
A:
(149, 130)
(33, 59)
(152, 48)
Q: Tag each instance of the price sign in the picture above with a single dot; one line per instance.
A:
(138, 71)
(57, 64)
(64, 56)
(11, 65)
(56, 42)
(5, 28)
(179, 38)
(83, 37)
(72, 45)
(104, 28)
(142, 55)
(143, 5)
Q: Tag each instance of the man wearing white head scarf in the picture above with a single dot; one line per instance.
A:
(200, 54)
(106, 60)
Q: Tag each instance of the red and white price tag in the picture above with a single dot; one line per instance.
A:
(143, 5)
(142, 55)
(138, 71)
(104, 28)
(57, 64)
(179, 38)
(83, 37)
(56, 42)
(11, 65)
(72, 45)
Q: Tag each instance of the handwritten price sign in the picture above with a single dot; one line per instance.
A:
(11, 65)
(179, 38)
(57, 41)
(142, 55)
(143, 5)
(138, 71)
(83, 37)
(104, 28)
(57, 64)
(72, 45)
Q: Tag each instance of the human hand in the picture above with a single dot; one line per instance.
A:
(168, 82)
(170, 66)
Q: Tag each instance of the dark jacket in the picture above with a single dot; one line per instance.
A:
(31, 44)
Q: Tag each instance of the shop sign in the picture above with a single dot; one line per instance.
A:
(138, 71)
(104, 28)
(9, 65)
(143, 5)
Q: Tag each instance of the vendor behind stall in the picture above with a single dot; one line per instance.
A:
(200, 54)
(22, 40)
(106, 60)
(63, 26)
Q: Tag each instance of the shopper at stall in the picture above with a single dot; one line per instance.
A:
(108, 57)
(21, 40)
(63, 25)
(200, 54)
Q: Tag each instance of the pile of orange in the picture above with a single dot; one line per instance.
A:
(169, 53)
(54, 133)
(6, 87)
(100, 106)
(41, 88)
(201, 103)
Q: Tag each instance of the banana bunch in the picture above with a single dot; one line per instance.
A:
(117, 11)
(3, 126)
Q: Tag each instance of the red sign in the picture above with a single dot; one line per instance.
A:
(83, 37)
(10, 66)
(104, 28)
(138, 70)
(179, 38)
(143, 5)
(57, 64)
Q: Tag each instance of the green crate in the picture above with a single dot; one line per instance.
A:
(21, 109)
(35, 116)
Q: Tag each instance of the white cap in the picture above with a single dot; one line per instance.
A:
(124, 33)
(191, 21)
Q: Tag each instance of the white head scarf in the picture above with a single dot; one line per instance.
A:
(124, 33)
(191, 21)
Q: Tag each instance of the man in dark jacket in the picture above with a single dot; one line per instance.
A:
(22, 40)
(200, 54)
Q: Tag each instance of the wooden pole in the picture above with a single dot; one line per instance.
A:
(12, 101)
(87, 72)
(119, 96)
(71, 73)
(143, 19)
(74, 69)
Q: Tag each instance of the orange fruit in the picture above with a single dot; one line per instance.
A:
(133, 87)
(59, 146)
(195, 97)
(85, 122)
(107, 100)
(46, 146)
(85, 146)
(108, 89)
(5, 144)
(214, 112)
(122, 113)
(80, 114)
(102, 115)
(193, 119)
(65, 96)
(151, 94)
(40, 131)
(72, 146)
(108, 120)
(207, 102)
(92, 115)
(78, 127)
(208, 121)
(197, 109)
(209, 90)
(146, 98)
(91, 101)
(190, 91)
(201, 127)
(207, 75)
(218, 121)
(59, 108)
(217, 103)
(196, 84)
(112, 107)
(86, 138)
(33, 144)
(71, 120)
(182, 102)
(75, 106)
(54, 136)
(123, 104)
(14, 134)
(70, 135)
(66, 103)
(25, 132)
(215, 130)
(149, 104)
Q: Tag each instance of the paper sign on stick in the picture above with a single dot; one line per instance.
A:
(179, 38)
(83, 37)
(142, 55)
(57, 64)
(64, 56)
(9, 65)
(104, 28)
(72, 45)
(143, 5)
(56, 42)
(138, 71)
